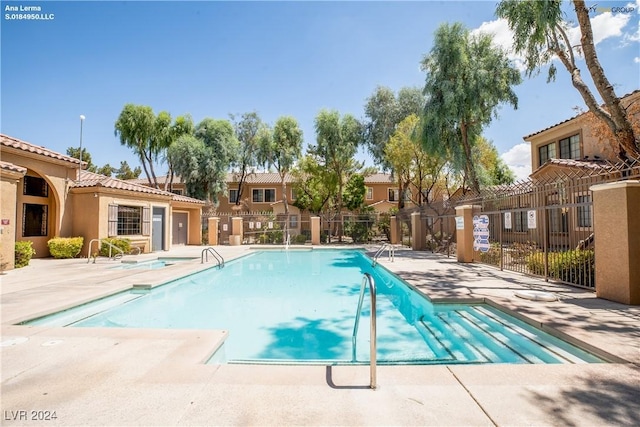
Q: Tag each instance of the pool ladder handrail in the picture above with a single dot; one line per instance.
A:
(389, 247)
(118, 255)
(204, 256)
(367, 279)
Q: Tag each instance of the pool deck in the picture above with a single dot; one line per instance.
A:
(97, 376)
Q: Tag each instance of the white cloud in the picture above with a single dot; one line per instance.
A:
(518, 158)
(634, 36)
(636, 59)
(604, 25)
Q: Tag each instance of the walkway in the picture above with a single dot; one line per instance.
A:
(94, 376)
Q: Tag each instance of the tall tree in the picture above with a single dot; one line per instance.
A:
(167, 135)
(384, 110)
(202, 160)
(247, 130)
(337, 140)
(313, 183)
(125, 171)
(467, 80)
(280, 147)
(86, 157)
(540, 34)
(135, 127)
(492, 170)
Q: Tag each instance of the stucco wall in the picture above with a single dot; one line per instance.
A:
(58, 175)
(8, 190)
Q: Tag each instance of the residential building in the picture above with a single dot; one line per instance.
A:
(574, 143)
(45, 194)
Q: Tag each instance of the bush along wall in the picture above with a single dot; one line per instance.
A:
(123, 244)
(65, 247)
(24, 252)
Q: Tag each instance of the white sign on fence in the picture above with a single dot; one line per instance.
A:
(531, 219)
(507, 220)
(459, 223)
(225, 227)
(481, 233)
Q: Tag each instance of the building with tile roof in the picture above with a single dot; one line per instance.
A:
(46, 194)
(572, 143)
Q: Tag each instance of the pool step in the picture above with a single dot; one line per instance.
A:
(69, 317)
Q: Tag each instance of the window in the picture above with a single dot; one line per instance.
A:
(34, 220)
(233, 196)
(129, 220)
(294, 194)
(570, 148)
(520, 221)
(177, 191)
(262, 195)
(394, 195)
(293, 221)
(558, 220)
(546, 152)
(584, 211)
(407, 195)
(34, 186)
(369, 193)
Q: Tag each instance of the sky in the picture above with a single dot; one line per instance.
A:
(215, 58)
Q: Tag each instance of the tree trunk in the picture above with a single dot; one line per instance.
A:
(470, 169)
(622, 129)
(286, 208)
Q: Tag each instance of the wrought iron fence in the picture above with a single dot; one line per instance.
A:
(544, 226)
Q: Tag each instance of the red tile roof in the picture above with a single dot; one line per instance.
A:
(11, 167)
(9, 141)
(264, 178)
(90, 179)
(379, 178)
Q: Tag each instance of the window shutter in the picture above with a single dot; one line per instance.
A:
(146, 221)
(113, 221)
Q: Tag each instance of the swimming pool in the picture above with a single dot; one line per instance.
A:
(299, 306)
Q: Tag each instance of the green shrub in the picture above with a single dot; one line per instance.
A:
(492, 256)
(299, 239)
(123, 244)
(24, 252)
(65, 247)
(574, 266)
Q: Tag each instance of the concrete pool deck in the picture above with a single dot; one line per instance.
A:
(97, 376)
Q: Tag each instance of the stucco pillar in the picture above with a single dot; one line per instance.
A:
(8, 208)
(236, 231)
(616, 228)
(464, 235)
(315, 230)
(394, 230)
(213, 224)
(418, 232)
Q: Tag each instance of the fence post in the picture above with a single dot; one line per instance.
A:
(213, 224)
(315, 230)
(617, 241)
(418, 231)
(464, 234)
(235, 238)
(394, 230)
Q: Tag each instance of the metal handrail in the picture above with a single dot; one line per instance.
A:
(111, 246)
(379, 252)
(372, 351)
(204, 256)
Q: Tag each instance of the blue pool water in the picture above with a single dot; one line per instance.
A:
(282, 306)
(152, 264)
